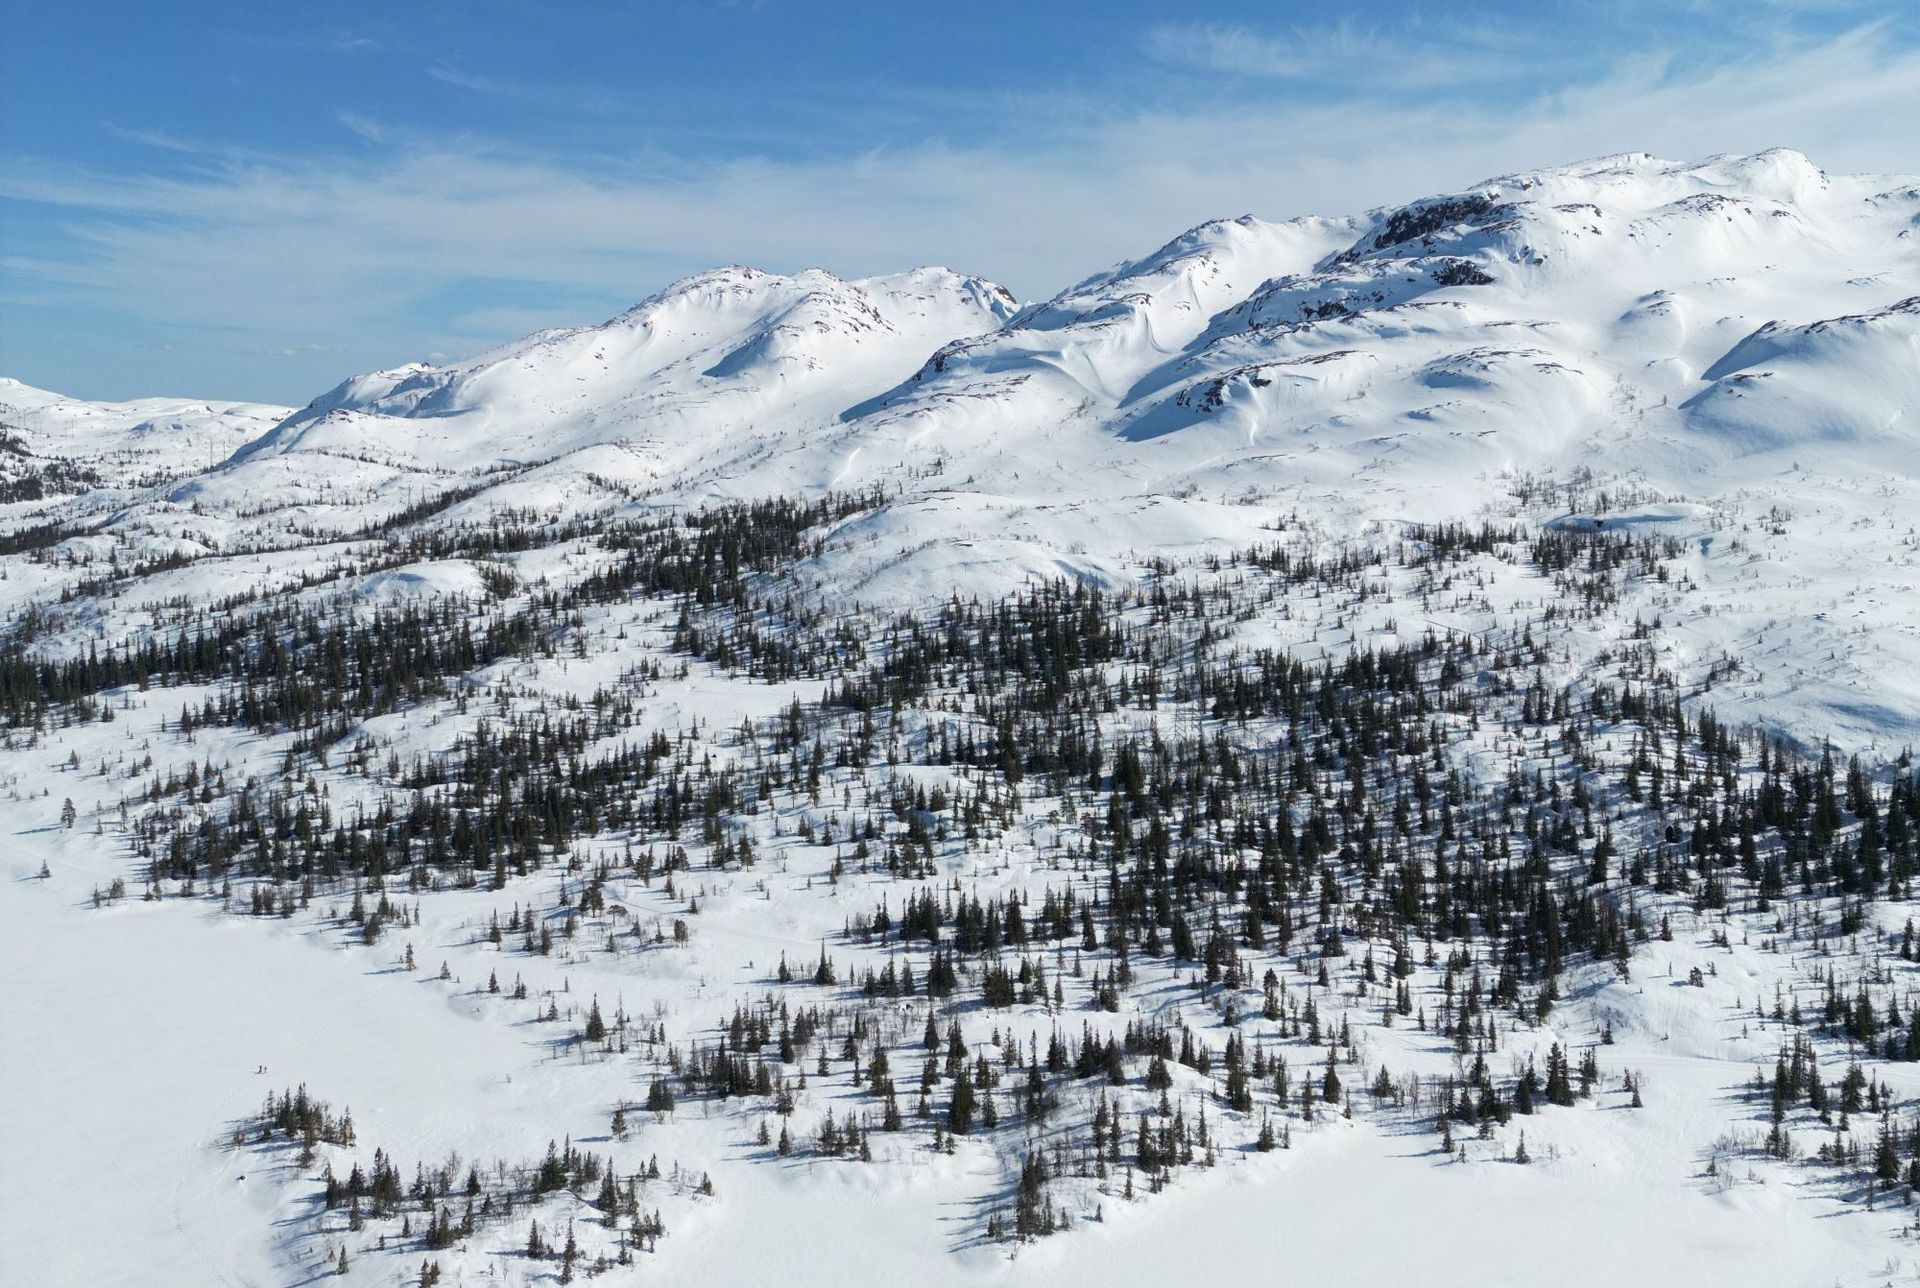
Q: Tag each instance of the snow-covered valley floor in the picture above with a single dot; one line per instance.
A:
(138, 1034)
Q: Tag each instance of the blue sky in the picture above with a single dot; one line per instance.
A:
(249, 200)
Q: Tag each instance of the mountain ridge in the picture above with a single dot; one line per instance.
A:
(1689, 328)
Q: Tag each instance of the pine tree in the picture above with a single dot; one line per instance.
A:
(1886, 1157)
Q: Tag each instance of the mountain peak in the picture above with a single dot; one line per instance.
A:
(732, 350)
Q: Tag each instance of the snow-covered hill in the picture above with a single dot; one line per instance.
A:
(128, 443)
(1253, 720)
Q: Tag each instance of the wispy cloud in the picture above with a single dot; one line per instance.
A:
(330, 41)
(465, 80)
(567, 96)
(152, 138)
(1343, 54)
(364, 126)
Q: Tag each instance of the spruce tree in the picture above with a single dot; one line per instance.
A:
(964, 1105)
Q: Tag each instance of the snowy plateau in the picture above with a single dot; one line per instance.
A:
(1361, 749)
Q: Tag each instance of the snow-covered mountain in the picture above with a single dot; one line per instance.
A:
(1732, 338)
(123, 444)
(1535, 321)
(1530, 322)
(705, 369)
(1373, 660)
